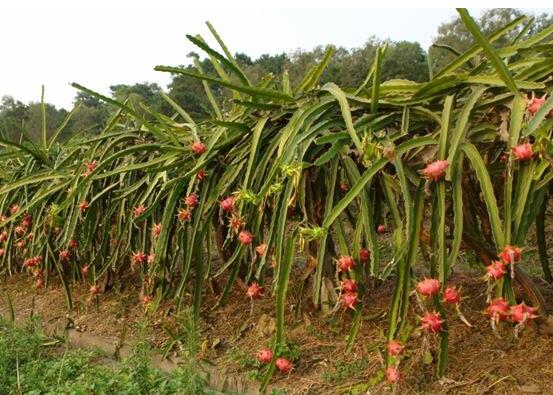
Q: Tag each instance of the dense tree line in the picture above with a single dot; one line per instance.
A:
(348, 68)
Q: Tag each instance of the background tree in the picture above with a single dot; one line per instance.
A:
(145, 93)
(455, 34)
(17, 118)
(33, 124)
(13, 115)
(90, 117)
(405, 60)
(265, 64)
(349, 67)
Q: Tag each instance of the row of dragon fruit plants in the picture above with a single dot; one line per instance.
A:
(461, 162)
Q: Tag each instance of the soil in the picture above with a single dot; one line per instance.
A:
(479, 361)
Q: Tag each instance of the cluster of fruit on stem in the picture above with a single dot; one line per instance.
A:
(499, 308)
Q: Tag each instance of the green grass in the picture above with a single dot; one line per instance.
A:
(344, 370)
(33, 364)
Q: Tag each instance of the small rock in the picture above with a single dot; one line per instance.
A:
(266, 326)
(530, 389)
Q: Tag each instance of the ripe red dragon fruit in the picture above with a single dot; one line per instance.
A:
(20, 230)
(381, 229)
(20, 244)
(139, 210)
(30, 262)
(138, 258)
(349, 286)
(236, 222)
(395, 348)
(39, 283)
(523, 152)
(498, 309)
(14, 208)
(2, 252)
(227, 204)
(95, 290)
(254, 291)
(510, 254)
(27, 221)
(245, 237)
(346, 263)
(184, 215)
(198, 147)
(73, 244)
(452, 296)
(393, 375)
(156, 230)
(191, 200)
(260, 249)
(151, 258)
(91, 166)
(201, 174)
(523, 314)
(535, 104)
(428, 287)
(83, 206)
(432, 322)
(350, 300)
(435, 170)
(496, 270)
(64, 255)
(284, 365)
(265, 355)
(364, 255)
(3, 236)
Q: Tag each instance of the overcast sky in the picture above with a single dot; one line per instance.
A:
(104, 45)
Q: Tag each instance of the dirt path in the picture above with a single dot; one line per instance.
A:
(479, 362)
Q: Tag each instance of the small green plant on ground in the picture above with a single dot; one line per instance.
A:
(344, 370)
(186, 337)
(242, 358)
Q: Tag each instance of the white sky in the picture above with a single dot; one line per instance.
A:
(113, 42)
